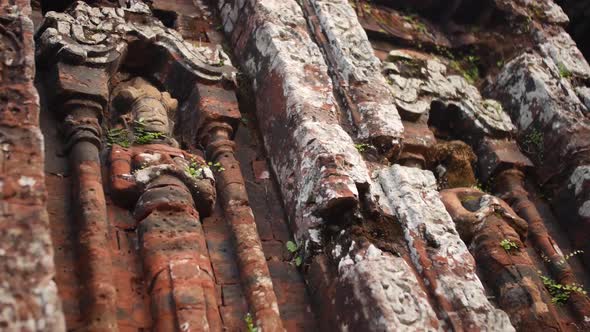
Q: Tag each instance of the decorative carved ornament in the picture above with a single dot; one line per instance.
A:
(100, 37)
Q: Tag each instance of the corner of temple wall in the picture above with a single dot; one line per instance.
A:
(28, 293)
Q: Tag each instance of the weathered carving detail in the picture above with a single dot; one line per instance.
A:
(419, 80)
(101, 36)
(171, 190)
(141, 106)
(356, 73)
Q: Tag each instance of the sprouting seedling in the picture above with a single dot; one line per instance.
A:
(118, 136)
(143, 136)
(508, 245)
(195, 170)
(250, 323)
(362, 147)
(217, 167)
(294, 249)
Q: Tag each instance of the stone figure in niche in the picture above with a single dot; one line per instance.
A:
(169, 191)
(144, 152)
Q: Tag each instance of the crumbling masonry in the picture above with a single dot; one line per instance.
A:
(294, 165)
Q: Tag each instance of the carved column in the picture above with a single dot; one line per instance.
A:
(83, 135)
(483, 222)
(79, 100)
(169, 190)
(217, 120)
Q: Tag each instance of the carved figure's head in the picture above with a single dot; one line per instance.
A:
(147, 106)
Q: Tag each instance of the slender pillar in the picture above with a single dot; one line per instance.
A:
(254, 271)
(98, 304)
(510, 186)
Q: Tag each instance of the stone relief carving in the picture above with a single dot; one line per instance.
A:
(153, 151)
(100, 37)
(171, 190)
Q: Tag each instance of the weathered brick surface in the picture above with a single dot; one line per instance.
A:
(376, 250)
(28, 295)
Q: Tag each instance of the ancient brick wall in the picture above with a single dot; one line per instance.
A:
(28, 293)
(283, 165)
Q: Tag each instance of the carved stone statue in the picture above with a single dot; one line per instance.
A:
(169, 190)
(149, 153)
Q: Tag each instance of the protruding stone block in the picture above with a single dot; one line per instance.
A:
(498, 155)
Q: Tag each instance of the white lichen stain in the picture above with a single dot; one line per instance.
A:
(26, 181)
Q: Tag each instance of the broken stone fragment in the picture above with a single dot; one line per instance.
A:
(384, 289)
(498, 155)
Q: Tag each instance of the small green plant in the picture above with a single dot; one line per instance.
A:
(195, 170)
(294, 249)
(143, 136)
(216, 166)
(250, 323)
(467, 68)
(508, 245)
(362, 147)
(412, 19)
(560, 293)
(563, 71)
(534, 143)
(118, 136)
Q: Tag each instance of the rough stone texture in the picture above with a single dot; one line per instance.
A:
(314, 159)
(375, 247)
(356, 72)
(437, 250)
(539, 99)
(385, 290)
(419, 80)
(28, 294)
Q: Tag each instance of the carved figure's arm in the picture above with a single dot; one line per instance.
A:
(122, 181)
